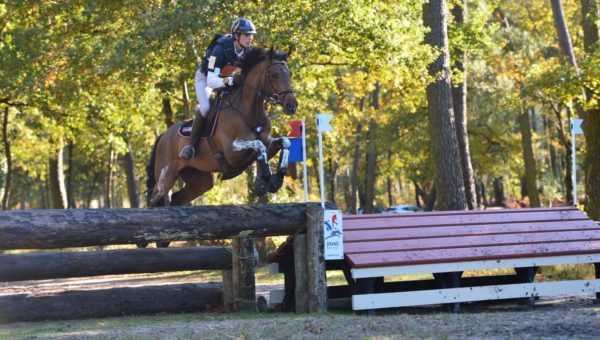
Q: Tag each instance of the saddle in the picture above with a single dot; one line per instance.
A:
(210, 123)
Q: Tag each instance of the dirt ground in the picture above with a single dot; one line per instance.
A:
(566, 317)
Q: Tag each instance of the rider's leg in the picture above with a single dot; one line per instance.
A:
(188, 151)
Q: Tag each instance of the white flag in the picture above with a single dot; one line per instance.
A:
(576, 126)
(323, 122)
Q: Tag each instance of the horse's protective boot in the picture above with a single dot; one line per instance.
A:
(188, 152)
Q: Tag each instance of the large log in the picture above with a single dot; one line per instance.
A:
(50, 265)
(111, 302)
(47, 229)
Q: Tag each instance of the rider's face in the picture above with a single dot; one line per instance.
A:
(246, 39)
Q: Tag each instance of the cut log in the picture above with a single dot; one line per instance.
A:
(111, 302)
(50, 229)
(51, 265)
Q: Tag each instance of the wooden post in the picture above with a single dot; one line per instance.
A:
(243, 265)
(301, 274)
(315, 260)
(227, 275)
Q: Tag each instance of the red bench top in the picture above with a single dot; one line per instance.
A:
(454, 236)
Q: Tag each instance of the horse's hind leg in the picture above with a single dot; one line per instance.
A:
(196, 183)
(166, 180)
(276, 144)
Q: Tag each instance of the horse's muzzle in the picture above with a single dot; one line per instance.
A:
(290, 105)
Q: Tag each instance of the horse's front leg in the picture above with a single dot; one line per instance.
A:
(276, 144)
(261, 184)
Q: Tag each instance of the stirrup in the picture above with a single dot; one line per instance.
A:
(185, 152)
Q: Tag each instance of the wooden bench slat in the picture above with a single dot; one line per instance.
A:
(470, 241)
(420, 220)
(387, 259)
(459, 212)
(423, 232)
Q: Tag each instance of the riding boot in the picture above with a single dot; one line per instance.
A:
(189, 151)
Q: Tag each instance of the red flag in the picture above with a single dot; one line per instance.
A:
(296, 126)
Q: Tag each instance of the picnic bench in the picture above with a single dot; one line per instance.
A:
(445, 244)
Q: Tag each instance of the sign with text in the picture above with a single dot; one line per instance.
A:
(333, 235)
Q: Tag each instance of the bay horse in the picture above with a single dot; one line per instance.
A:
(242, 135)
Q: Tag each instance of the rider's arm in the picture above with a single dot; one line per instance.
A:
(214, 81)
(216, 61)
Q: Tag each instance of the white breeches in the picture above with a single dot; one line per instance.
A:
(202, 92)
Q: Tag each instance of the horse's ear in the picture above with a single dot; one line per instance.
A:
(289, 52)
(271, 53)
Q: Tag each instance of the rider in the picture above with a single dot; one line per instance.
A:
(223, 51)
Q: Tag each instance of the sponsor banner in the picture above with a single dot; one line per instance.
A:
(333, 235)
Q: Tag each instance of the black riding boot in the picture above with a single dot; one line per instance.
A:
(188, 151)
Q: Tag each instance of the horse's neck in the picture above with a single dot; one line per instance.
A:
(251, 104)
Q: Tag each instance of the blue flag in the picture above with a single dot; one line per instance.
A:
(295, 150)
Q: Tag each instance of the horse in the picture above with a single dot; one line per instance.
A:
(242, 135)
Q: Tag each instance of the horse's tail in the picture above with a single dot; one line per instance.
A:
(150, 180)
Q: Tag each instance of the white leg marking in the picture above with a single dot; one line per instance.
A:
(256, 145)
(161, 179)
(285, 152)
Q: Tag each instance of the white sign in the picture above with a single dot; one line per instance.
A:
(576, 126)
(333, 235)
(323, 122)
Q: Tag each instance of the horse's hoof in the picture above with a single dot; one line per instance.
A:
(275, 182)
(261, 186)
(162, 244)
(141, 245)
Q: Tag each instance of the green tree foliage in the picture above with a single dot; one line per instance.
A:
(88, 74)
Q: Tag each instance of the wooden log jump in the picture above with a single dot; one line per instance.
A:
(51, 229)
(53, 265)
(59, 229)
(111, 302)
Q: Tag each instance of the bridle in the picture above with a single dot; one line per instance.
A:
(277, 97)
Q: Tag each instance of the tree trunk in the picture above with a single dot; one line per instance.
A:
(133, 187)
(591, 125)
(530, 166)
(564, 39)
(167, 111)
(70, 197)
(371, 173)
(566, 46)
(499, 191)
(355, 162)
(91, 191)
(445, 153)
(56, 178)
(333, 166)
(459, 100)
(8, 155)
(186, 99)
(109, 185)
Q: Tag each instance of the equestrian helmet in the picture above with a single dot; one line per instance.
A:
(243, 25)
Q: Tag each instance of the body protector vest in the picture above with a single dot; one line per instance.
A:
(219, 53)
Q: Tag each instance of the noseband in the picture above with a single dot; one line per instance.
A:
(277, 97)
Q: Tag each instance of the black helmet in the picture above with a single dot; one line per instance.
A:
(243, 25)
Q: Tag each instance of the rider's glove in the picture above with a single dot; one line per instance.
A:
(228, 81)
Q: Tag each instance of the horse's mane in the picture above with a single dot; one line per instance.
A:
(256, 55)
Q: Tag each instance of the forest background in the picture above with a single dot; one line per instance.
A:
(86, 87)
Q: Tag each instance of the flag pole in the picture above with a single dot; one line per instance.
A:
(321, 179)
(304, 173)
